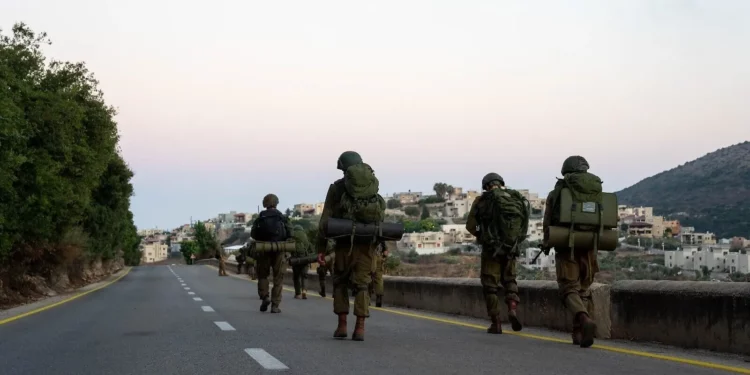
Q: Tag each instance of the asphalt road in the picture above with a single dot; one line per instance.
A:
(149, 323)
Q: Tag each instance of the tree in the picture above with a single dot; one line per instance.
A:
(412, 211)
(442, 189)
(288, 212)
(393, 204)
(668, 233)
(205, 241)
(188, 248)
(425, 213)
(64, 188)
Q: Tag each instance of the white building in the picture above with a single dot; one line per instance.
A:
(153, 251)
(543, 262)
(423, 243)
(716, 259)
(535, 232)
(457, 233)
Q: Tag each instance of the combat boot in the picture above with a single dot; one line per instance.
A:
(577, 334)
(322, 289)
(297, 296)
(378, 301)
(304, 295)
(495, 327)
(340, 332)
(275, 309)
(513, 316)
(588, 330)
(359, 329)
(265, 303)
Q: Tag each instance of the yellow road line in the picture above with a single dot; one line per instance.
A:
(639, 353)
(32, 312)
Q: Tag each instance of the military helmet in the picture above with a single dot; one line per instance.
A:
(574, 164)
(347, 159)
(490, 177)
(270, 200)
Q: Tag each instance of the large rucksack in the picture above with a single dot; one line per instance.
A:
(361, 202)
(270, 227)
(503, 218)
(583, 210)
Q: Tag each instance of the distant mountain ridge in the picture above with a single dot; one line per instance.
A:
(711, 193)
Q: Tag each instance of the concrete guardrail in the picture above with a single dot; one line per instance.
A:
(701, 315)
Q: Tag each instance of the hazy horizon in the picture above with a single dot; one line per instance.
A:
(221, 103)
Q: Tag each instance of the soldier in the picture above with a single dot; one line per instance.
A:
(271, 226)
(240, 262)
(353, 263)
(322, 270)
(377, 281)
(499, 220)
(220, 257)
(299, 272)
(575, 272)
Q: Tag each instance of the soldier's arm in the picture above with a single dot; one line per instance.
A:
(550, 204)
(471, 221)
(322, 242)
(254, 229)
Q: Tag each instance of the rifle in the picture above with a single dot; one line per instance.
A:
(542, 250)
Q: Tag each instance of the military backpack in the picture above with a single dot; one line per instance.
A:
(360, 201)
(503, 217)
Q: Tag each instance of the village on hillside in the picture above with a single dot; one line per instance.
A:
(435, 226)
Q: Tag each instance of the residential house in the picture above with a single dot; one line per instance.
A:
(535, 232)
(319, 208)
(149, 232)
(423, 243)
(543, 262)
(456, 207)
(304, 209)
(153, 251)
(674, 225)
(456, 233)
(693, 238)
(715, 258)
(408, 197)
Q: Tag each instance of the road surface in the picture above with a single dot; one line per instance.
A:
(186, 320)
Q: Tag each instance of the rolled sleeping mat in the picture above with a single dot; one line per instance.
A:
(338, 228)
(559, 238)
(282, 246)
(301, 261)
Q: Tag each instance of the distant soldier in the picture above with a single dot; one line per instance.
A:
(240, 262)
(576, 267)
(377, 282)
(271, 226)
(354, 197)
(499, 218)
(299, 272)
(220, 257)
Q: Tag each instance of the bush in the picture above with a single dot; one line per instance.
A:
(392, 263)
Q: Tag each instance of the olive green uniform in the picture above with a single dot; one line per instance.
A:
(378, 286)
(497, 272)
(353, 264)
(575, 274)
(299, 272)
(271, 264)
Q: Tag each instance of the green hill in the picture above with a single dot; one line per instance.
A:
(711, 193)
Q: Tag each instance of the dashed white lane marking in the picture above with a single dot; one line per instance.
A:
(266, 360)
(224, 326)
(207, 308)
(197, 299)
(191, 293)
(186, 288)
(183, 284)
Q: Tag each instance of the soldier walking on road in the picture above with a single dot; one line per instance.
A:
(271, 226)
(499, 218)
(575, 268)
(378, 287)
(299, 272)
(354, 197)
(220, 257)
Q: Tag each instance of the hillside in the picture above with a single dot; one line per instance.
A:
(711, 193)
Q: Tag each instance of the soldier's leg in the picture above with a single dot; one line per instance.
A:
(490, 278)
(303, 280)
(379, 287)
(296, 281)
(264, 271)
(340, 288)
(278, 280)
(364, 267)
(508, 281)
(322, 270)
(568, 271)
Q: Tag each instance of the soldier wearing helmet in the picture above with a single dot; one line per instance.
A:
(353, 263)
(498, 263)
(575, 272)
(271, 226)
(299, 272)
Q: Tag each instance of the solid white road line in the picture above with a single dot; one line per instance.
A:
(266, 360)
(224, 326)
(207, 308)
(197, 299)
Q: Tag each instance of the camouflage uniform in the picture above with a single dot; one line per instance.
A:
(497, 272)
(299, 272)
(378, 287)
(270, 261)
(353, 264)
(575, 273)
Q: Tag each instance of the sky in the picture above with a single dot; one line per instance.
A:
(222, 102)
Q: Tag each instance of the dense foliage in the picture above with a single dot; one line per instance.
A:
(711, 193)
(64, 189)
